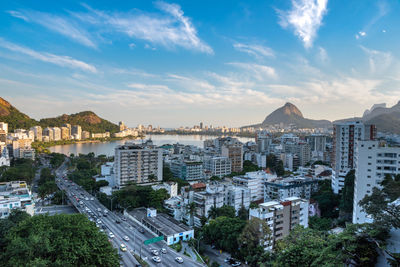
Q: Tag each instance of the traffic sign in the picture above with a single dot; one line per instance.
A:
(153, 240)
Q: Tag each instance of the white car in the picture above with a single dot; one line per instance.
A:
(163, 251)
(92, 198)
(179, 259)
(156, 259)
(126, 238)
(155, 252)
(111, 235)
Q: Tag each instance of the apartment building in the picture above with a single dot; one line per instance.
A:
(76, 132)
(4, 156)
(372, 162)
(15, 194)
(37, 131)
(301, 149)
(56, 133)
(49, 133)
(135, 163)
(189, 170)
(65, 133)
(317, 144)
(345, 138)
(282, 188)
(281, 217)
(254, 181)
(233, 151)
(218, 166)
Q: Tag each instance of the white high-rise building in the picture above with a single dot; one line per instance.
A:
(218, 166)
(345, 138)
(373, 161)
(37, 131)
(56, 133)
(135, 163)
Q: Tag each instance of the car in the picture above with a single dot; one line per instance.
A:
(92, 198)
(123, 218)
(117, 221)
(87, 199)
(99, 210)
(227, 259)
(111, 235)
(122, 247)
(236, 263)
(103, 226)
(126, 238)
(163, 251)
(102, 230)
(141, 230)
(179, 259)
(156, 259)
(105, 214)
(155, 252)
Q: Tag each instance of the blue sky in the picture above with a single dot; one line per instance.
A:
(178, 63)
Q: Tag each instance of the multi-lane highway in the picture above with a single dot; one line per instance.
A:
(87, 204)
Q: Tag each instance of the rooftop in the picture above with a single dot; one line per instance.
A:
(162, 222)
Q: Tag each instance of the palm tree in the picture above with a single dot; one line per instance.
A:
(190, 209)
(213, 212)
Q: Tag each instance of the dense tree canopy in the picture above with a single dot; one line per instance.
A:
(20, 170)
(59, 240)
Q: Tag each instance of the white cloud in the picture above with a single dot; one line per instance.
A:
(258, 51)
(259, 72)
(63, 61)
(305, 17)
(323, 55)
(58, 24)
(360, 34)
(17, 14)
(379, 61)
(170, 29)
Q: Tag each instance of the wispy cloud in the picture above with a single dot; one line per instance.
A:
(305, 18)
(382, 10)
(169, 29)
(63, 61)
(17, 14)
(257, 51)
(259, 72)
(58, 24)
(379, 61)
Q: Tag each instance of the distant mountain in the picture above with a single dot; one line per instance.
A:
(290, 114)
(14, 117)
(88, 120)
(385, 119)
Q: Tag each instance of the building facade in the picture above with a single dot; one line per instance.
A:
(137, 164)
(281, 217)
(218, 166)
(372, 162)
(233, 151)
(345, 138)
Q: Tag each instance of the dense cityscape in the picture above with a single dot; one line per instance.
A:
(200, 133)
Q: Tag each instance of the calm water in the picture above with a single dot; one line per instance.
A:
(107, 148)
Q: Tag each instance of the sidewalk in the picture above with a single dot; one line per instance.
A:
(189, 251)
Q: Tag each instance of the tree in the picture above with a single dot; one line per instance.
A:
(320, 224)
(213, 212)
(380, 204)
(279, 169)
(243, 213)
(152, 178)
(227, 211)
(328, 202)
(346, 201)
(47, 188)
(59, 240)
(224, 233)
(157, 198)
(254, 236)
(190, 209)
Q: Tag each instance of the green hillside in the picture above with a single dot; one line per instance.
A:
(14, 117)
(88, 120)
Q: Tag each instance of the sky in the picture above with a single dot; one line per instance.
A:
(177, 63)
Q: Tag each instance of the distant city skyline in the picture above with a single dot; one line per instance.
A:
(179, 63)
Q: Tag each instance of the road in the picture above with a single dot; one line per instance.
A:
(56, 209)
(124, 228)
